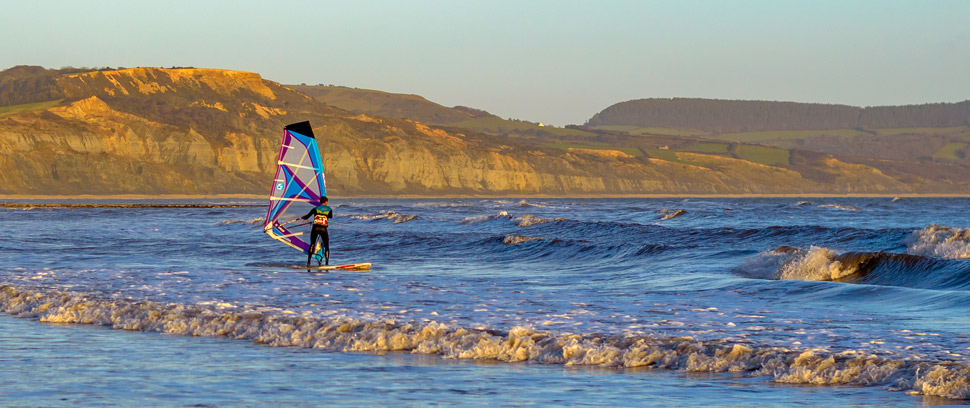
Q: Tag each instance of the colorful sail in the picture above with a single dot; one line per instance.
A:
(297, 187)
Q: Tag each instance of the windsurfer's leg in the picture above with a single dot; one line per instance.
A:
(313, 244)
(325, 235)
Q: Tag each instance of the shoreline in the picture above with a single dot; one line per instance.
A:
(141, 197)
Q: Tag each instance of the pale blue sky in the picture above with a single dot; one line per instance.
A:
(558, 62)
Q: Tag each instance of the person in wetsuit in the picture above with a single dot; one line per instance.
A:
(321, 220)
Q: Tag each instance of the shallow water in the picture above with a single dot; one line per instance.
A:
(72, 365)
(537, 301)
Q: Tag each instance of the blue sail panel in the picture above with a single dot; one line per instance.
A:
(297, 187)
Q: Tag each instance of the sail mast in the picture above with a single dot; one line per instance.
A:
(297, 186)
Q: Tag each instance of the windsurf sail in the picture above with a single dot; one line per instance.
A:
(297, 187)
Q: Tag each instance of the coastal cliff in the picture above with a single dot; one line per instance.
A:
(209, 131)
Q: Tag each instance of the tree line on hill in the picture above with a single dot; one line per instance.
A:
(727, 116)
(28, 84)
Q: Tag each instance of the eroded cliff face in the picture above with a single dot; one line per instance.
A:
(453, 165)
(151, 131)
(147, 81)
(87, 147)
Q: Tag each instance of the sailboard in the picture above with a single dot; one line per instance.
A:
(297, 187)
(350, 267)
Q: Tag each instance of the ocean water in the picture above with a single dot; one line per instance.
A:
(604, 302)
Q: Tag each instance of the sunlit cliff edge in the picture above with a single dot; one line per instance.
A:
(211, 131)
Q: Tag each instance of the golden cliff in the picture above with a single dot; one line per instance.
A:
(206, 131)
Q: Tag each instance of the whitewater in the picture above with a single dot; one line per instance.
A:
(634, 301)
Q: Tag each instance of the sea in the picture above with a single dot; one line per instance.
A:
(752, 302)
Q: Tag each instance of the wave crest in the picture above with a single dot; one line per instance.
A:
(876, 268)
(666, 214)
(815, 264)
(443, 205)
(940, 241)
(387, 215)
(485, 218)
(530, 220)
(518, 239)
(789, 263)
(518, 344)
(840, 207)
(524, 203)
(249, 222)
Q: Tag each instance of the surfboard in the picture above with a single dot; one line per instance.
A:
(350, 267)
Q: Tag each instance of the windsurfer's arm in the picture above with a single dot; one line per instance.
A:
(309, 213)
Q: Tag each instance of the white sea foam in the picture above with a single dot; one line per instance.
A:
(786, 263)
(530, 220)
(518, 344)
(765, 265)
(485, 218)
(27, 208)
(518, 239)
(524, 203)
(387, 215)
(940, 241)
(250, 222)
(442, 205)
(840, 207)
(814, 264)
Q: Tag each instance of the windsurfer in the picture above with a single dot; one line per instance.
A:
(321, 220)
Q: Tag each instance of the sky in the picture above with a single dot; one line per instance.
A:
(557, 62)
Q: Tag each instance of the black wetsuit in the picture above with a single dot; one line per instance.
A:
(321, 219)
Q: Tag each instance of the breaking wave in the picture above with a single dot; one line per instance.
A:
(940, 241)
(876, 268)
(518, 344)
(788, 263)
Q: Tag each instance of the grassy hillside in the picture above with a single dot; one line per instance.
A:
(389, 105)
(947, 145)
(36, 106)
(414, 107)
(728, 116)
(893, 137)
